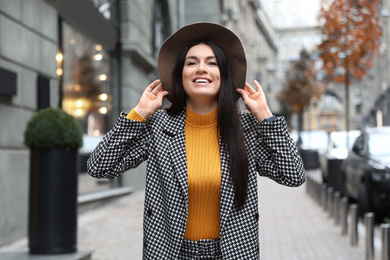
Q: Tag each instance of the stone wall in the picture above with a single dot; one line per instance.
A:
(28, 45)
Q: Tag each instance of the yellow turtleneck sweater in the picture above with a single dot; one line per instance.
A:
(204, 174)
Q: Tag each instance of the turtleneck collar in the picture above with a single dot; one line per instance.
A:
(205, 120)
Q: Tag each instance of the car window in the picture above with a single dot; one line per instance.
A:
(339, 139)
(379, 144)
(358, 146)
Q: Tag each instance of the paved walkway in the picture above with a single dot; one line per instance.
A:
(292, 227)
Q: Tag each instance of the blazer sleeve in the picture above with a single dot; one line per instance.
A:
(278, 156)
(124, 147)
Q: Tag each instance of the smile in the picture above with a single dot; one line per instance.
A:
(202, 80)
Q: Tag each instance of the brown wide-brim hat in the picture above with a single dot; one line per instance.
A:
(220, 35)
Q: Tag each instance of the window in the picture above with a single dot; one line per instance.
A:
(86, 95)
(282, 43)
(328, 121)
(307, 42)
(161, 25)
(294, 42)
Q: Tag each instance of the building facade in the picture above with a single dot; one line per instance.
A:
(252, 25)
(296, 28)
(91, 58)
(374, 97)
(28, 46)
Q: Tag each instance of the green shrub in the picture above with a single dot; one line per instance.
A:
(53, 128)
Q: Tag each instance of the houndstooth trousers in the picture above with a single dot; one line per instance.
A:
(203, 249)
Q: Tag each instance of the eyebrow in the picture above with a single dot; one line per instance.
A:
(195, 57)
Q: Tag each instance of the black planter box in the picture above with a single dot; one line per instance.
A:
(52, 220)
(310, 158)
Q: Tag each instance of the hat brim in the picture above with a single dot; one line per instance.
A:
(220, 35)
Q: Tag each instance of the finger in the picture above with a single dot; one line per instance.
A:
(257, 84)
(156, 89)
(152, 85)
(160, 97)
(162, 94)
(243, 93)
(249, 88)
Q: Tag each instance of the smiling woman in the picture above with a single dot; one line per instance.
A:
(203, 154)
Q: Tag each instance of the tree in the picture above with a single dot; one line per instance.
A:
(300, 86)
(351, 39)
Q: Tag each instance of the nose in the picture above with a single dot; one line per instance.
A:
(201, 67)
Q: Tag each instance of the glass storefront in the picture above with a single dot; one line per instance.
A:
(86, 94)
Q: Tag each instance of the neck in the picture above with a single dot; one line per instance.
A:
(201, 107)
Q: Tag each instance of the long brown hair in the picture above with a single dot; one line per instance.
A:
(229, 125)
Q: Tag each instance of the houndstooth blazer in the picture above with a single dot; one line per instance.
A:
(161, 141)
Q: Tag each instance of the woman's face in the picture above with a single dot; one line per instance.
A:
(201, 75)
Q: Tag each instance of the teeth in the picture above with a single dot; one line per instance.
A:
(201, 81)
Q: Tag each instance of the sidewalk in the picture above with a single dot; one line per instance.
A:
(292, 227)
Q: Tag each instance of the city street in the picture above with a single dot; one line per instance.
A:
(322, 65)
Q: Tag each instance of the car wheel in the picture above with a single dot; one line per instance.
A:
(364, 200)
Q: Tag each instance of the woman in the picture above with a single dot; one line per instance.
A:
(203, 154)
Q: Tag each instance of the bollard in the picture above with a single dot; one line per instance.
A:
(318, 193)
(385, 230)
(353, 212)
(324, 197)
(314, 191)
(330, 202)
(369, 224)
(308, 185)
(344, 216)
(336, 211)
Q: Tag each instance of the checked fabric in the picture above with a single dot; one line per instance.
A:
(161, 141)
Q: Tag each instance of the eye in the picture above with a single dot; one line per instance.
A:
(213, 63)
(190, 63)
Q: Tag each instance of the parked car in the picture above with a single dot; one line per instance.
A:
(336, 151)
(366, 171)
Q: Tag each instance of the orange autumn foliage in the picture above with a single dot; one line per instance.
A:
(351, 37)
(300, 85)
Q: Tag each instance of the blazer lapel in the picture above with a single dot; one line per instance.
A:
(175, 128)
(227, 191)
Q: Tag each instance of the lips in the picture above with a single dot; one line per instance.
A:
(202, 80)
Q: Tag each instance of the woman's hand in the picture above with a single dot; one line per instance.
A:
(151, 100)
(255, 101)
